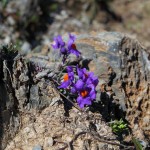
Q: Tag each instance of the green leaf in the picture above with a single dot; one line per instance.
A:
(137, 144)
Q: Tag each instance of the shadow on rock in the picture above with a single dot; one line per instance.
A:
(107, 107)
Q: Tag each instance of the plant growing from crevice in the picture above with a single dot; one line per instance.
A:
(119, 126)
(74, 80)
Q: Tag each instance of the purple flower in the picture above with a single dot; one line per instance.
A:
(86, 94)
(67, 78)
(85, 87)
(82, 73)
(66, 49)
(58, 42)
(85, 84)
(92, 79)
(79, 85)
(72, 47)
(88, 77)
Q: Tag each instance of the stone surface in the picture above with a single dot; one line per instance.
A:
(25, 48)
(122, 65)
(32, 110)
(38, 147)
(51, 128)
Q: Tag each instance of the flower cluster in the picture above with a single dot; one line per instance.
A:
(77, 80)
(83, 85)
(66, 49)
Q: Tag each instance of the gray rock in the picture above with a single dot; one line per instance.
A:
(50, 141)
(119, 61)
(25, 48)
(10, 20)
(37, 147)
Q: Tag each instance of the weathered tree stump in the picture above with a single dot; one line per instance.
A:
(32, 110)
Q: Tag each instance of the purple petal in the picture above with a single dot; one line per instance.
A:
(55, 44)
(92, 79)
(79, 85)
(83, 101)
(63, 50)
(60, 41)
(71, 76)
(95, 81)
(69, 69)
(73, 90)
(80, 72)
(90, 87)
(64, 84)
(92, 95)
(75, 52)
(91, 74)
(87, 101)
(72, 37)
(71, 40)
(79, 101)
